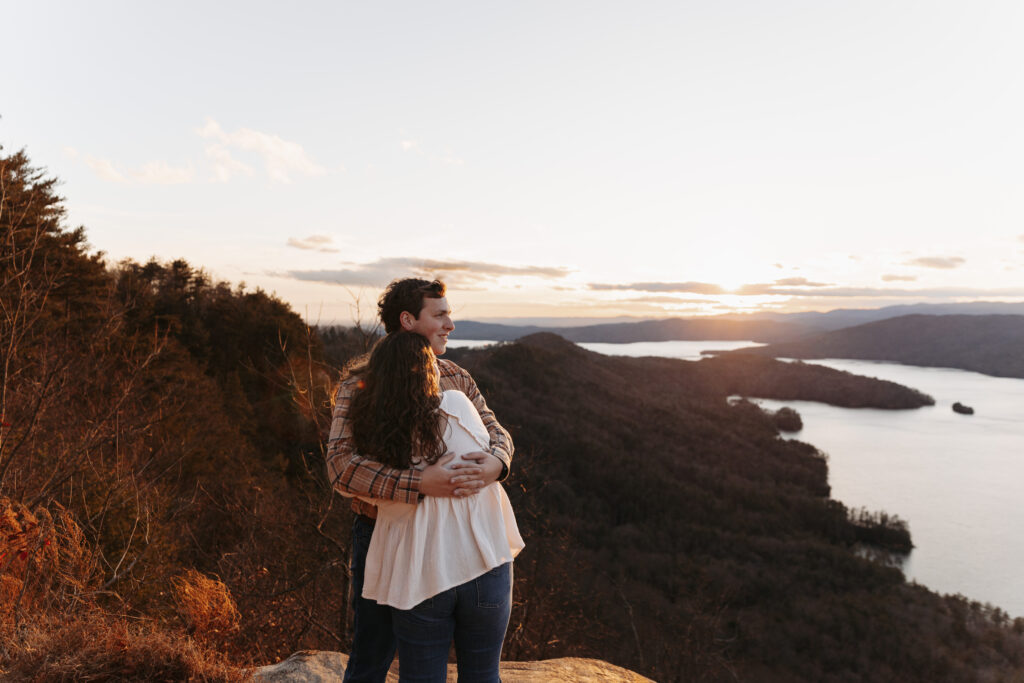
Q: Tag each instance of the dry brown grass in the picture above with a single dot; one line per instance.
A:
(205, 605)
(46, 564)
(52, 627)
(96, 647)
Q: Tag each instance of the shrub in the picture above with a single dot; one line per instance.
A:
(204, 604)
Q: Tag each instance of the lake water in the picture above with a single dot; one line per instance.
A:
(687, 350)
(957, 480)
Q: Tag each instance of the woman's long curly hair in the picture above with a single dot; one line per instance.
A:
(394, 413)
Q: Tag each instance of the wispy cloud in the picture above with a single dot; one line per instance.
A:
(691, 287)
(162, 173)
(281, 159)
(940, 262)
(454, 272)
(662, 300)
(706, 287)
(150, 173)
(884, 292)
(313, 243)
(800, 282)
(899, 278)
(225, 166)
(104, 168)
(760, 289)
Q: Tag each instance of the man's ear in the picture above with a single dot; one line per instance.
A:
(407, 320)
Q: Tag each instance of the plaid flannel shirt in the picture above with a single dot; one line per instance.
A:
(354, 475)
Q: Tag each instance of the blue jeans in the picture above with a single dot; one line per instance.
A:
(474, 614)
(373, 640)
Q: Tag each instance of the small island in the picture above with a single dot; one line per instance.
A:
(962, 409)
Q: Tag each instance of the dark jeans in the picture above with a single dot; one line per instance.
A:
(474, 614)
(373, 640)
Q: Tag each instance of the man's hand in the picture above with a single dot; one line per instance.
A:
(464, 479)
(489, 465)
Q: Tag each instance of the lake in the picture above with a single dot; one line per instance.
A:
(956, 479)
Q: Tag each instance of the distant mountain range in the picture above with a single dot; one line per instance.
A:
(990, 344)
(760, 327)
(848, 317)
(671, 329)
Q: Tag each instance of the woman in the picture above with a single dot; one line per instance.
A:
(444, 564)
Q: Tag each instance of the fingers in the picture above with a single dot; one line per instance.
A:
(466, 485)
(476, 456)
(466, 468)
(464, 492)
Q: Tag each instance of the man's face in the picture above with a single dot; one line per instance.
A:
(434, 323)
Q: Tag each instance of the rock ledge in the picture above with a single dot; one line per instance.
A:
(320, 666)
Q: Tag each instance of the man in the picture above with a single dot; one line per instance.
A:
(417, 306)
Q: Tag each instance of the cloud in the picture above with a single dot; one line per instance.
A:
(940, 262)
(313, 243)
(882, 292)
(151, 173)
(162, 173)
(281, 159)
(691, 287)
(899, 278)
(662, 300)
(799, 282)
(758, 289)
(105, 170)
(808, 290)
(224, 165)
(463, 274)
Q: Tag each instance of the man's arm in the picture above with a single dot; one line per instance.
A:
(354, 475)
(501, 442)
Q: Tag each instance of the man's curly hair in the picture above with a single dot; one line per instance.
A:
(406, 295)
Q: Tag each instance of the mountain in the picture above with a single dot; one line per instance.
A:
(674, 533)
(990, 344)
(759, 327)
(647, 330)
(848, 317)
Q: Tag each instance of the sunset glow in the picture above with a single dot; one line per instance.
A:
(642, 160)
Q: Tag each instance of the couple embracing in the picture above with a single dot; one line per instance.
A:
(414, 443)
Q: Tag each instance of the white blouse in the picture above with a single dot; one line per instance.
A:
(418, 551)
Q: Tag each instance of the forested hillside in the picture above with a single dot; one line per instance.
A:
(990, 344)
(160, 464)
(710, 539)
(164, 514)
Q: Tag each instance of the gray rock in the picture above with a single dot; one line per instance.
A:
(315, 666)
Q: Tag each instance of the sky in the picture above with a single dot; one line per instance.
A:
(547, 159)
